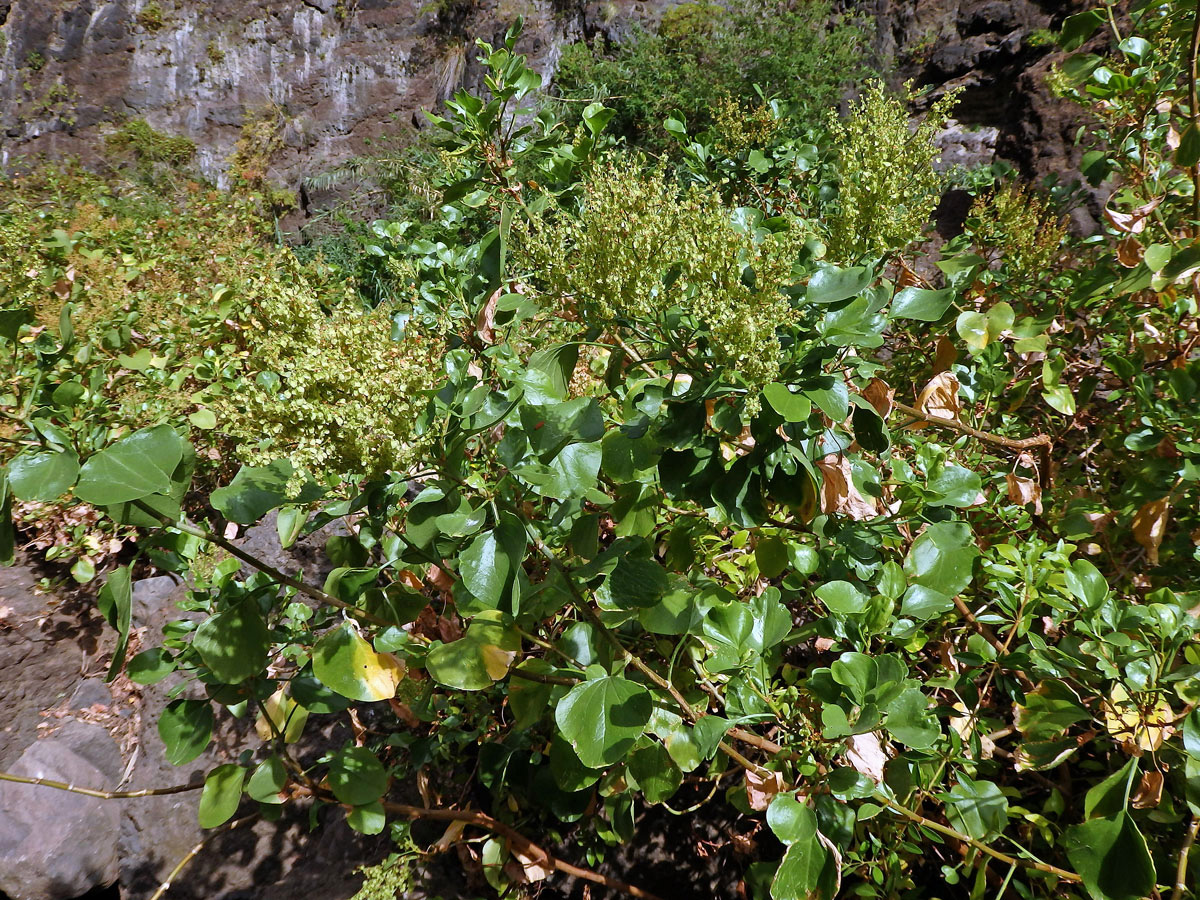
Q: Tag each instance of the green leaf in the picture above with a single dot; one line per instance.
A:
(344, 662)
(367, 819)
(267, 780)
(793, 407)
(603, 718)
(485, 567)
(921, 304)
(1112, 858)
(940, 560)
(221, 795)
(558, 362)
(1078, 28)
(831, 396)
(842, 598)
(1086, 583)
(357, 777)
(42, 475)
(235, 643)
(771, 555)
(204, 419)
(150, 666)
(972, 328)
(11, 321)
(655, 772)
(977, 808)
(910, 722)
(116, 605)
(256, 490)
(799, 874)
(636, 582)
(953, 486)
(185, 727)
(1110, 796)
(830, 284)
(792, 821)
(8, 535)
(1188, 152)
(132, 468)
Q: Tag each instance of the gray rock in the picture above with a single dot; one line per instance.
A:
(55, 845)
(150, 596)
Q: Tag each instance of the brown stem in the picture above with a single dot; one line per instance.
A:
(1181, 869)
(1194, 111)
(524, 845)
(102, 795)
(978, 845)
(233, 550)
(1039, 440)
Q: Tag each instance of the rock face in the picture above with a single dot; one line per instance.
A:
(997, 52)
(323, 80)
(56, 845)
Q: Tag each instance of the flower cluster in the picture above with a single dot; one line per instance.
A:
(673, 267)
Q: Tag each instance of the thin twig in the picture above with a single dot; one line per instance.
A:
(191, 854)
(101, 795)
(233, 550)
(526, 847)
(1039, 440)
(978, 845)
(1181, 869)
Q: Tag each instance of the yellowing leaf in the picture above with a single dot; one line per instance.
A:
(1150, 524)
(346, 663)
(1144, 725)
(287, 715)
(496, 661)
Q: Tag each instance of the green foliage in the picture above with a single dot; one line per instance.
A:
(638, 517)
(149, 146)
(704, 55)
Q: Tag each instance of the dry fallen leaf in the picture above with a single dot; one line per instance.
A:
(485, 321)
(879, 395)
(838, 493)
(1023, 491)
(1150, 524)
(939, 398)
(533, 869)
(1134, 221)
(1129, 252)
(866, 753)
(761, 787)
(944, 355)
(1149, 791)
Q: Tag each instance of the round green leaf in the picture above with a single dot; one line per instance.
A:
(977, 808)
(357, 777)
(42, 475)
(185, 727)
(221, 794)
(367, 819)
(132, 468)
(602, 719)
(267, 780)
(1112, 857)
(793, 407)
(792, 821)
(150, 666)
(234, 644)
(655, 772)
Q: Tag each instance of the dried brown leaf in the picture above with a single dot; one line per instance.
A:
(866, 754)
(939, 398)
(838, 493)
(1023, 491)
(761, 787)
(1134, 221)
(1129, 252)
(1149, 791)
(879, 394)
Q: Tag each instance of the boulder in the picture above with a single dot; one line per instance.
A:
(54, 844)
